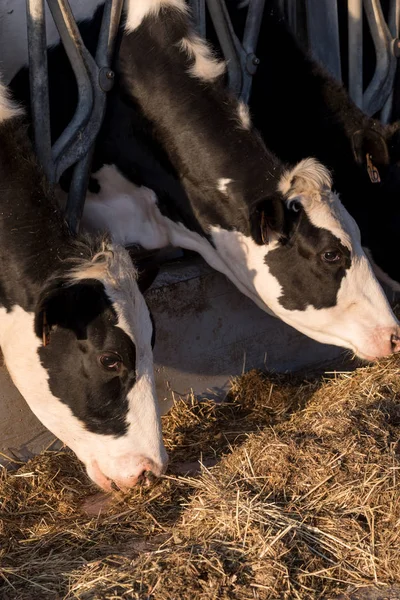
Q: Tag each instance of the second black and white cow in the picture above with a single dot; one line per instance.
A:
(301, 111)
(281, 235)
(75, 331)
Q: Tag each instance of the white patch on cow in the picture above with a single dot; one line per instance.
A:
(205, 66)
(8, 109)
(223, 185)
(127, 211)
(137, 10)
(117, 458)
(380, 274)
(244, 116)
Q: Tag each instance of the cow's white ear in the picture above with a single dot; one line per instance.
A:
(268, 217)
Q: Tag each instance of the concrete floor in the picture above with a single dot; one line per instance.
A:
(206, 332)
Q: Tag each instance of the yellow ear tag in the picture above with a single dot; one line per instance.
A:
(372, 170)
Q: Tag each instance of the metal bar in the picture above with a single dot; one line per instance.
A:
(108, 32)
(250, 39)
(393, 23)
(291, 15)
(230, 45)
(71, 144)
(104, 58)
(355, 51)
(39, 87)
(198, 8)
(323, 34)
(381, 84)
(77, 191)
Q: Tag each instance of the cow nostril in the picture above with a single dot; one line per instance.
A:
(147, 478)
(395, 341)
(149, 475)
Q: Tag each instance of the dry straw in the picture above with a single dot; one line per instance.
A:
(302, 503)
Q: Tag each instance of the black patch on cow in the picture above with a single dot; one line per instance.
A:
(84, 326)
(297, 265)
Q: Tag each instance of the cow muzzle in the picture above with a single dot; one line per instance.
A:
(126, 473)
(383, 342)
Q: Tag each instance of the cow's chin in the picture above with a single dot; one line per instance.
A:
(366, 343)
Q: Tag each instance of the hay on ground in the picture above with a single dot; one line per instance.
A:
(303, 502)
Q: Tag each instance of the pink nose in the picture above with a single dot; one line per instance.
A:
(126, 473)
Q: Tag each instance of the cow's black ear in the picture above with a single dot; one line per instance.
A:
(68, 306)
(269, 216)
(371, 151)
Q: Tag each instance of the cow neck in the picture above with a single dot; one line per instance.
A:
(33, 236)
(195, 121)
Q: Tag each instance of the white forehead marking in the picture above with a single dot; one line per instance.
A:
(8, 109)
(310, 183)
(244, 115)
(223, 185)
(206, 66)
(137, 10)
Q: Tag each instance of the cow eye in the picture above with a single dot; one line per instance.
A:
(331, 256)
(111, 361)
(295, 206)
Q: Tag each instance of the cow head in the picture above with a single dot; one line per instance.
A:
(304, 260)
(92, 381)
(377, 153)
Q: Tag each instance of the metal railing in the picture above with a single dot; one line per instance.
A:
(94, 76)
(94, 79)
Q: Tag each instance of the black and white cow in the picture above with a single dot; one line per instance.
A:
(301, 111)
(75, 330)
(281, 235)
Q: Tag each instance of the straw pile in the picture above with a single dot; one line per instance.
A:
(302, 503)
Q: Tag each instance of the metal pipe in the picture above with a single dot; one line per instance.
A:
(355, 51)
(229, 43)
(71, 145)
(393, 23)
(381, 84)
(77, 191)
(39, 87)
(108, 32)
(323, 34)
(291, 15)
(198, 8)
(104, 58)
(250, 39)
